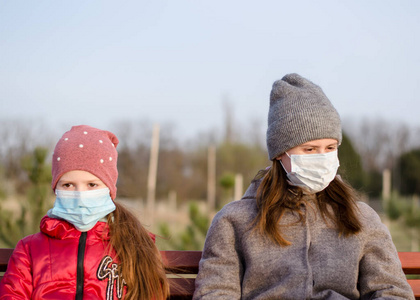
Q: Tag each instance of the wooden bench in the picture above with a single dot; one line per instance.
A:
(183, 267)
(186, 262)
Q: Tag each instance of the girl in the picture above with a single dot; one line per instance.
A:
(299, 231)
(89, 247)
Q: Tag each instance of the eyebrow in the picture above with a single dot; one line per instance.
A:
(63, 180)
(317, 146)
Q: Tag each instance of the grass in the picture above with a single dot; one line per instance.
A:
(405, 239)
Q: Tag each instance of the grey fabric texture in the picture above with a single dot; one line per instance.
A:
(299, 112)
(239, 263)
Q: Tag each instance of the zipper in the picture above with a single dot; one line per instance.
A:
(80, 266)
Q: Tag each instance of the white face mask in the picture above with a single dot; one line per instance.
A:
(313, 172)
(82, 209)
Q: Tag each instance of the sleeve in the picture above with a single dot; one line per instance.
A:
(220, 270)
(17, 280)
(380, 273)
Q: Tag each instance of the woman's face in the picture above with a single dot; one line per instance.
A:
(311, 147)
(79, 181)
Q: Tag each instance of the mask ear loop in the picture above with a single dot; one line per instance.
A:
(282, 162)
(294, 193)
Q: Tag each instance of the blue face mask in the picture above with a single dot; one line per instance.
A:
(82, 209)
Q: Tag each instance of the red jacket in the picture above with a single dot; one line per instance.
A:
(59, 262)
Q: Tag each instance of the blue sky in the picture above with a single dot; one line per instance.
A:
(97, 62)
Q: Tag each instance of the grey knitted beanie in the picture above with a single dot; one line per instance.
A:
(299, 112)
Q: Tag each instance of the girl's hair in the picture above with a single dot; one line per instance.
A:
(141, 264)
(275, 196)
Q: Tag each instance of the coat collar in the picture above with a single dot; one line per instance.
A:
(61, 229)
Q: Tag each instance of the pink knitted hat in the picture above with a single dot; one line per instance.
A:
(88, 149)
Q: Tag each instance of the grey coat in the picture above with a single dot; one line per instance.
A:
(238, 263)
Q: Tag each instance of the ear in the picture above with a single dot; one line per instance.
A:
(280, 156)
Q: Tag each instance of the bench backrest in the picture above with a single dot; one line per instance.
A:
(185, 263)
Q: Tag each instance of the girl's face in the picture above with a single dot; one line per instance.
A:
(79, 181)
(311, 147)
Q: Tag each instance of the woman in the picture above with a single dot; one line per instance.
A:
(89, 247)
(299, 231)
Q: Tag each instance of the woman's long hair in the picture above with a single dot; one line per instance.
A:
(275, 196)
(141, 264)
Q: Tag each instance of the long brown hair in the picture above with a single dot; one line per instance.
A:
(141, 264)
(275, 196)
